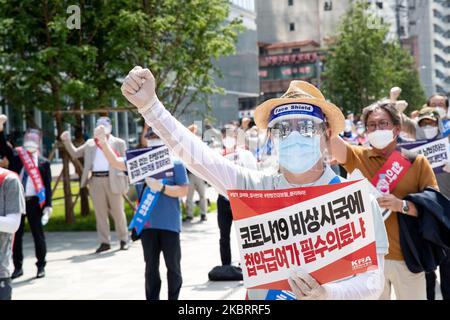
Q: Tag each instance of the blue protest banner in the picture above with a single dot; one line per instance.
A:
(146, 205)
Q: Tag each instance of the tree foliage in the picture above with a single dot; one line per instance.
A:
(46, 65)
(362, 65)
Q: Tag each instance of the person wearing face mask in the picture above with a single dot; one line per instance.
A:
(440, 102)
(106, 184)
(35, 174)
(427, 124)
(429, 129)
(383, 124)
(361, 139)
(161, 232)
(300, 134)
(348, 134)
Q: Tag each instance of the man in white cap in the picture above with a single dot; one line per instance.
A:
(106, 185)
(302, 134)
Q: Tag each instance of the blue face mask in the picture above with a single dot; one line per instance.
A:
(298, 153)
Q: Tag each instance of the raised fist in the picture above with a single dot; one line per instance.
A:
(3, 119)
(65, 136)
(401, 105)
(395, 92)
(139, 88)
(100, 134)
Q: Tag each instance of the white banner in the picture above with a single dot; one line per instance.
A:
(149, 164)
(328, 233)
(436, 152)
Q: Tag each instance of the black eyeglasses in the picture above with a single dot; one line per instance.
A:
(382, 124)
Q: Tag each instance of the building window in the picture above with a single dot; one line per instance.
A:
(291, 26)
(380, 4)
(328, 6)
(290, 2)
(296, 50)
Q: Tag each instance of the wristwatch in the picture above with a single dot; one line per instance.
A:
(405, 207)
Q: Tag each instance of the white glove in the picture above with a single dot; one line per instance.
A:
(306, 287)
(395, 92)
(3, 119)
(154, 184)
(446, 167)
(100, 134)
(47, 213)
(65, 136)
(139, 88)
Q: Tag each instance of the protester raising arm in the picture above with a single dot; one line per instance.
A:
(114, 160)
(391, 202)
(71, 149)
(119, 163)
(139, 89)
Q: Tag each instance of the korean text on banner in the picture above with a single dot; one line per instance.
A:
(148, 162)
(436, 151)
(326, 230)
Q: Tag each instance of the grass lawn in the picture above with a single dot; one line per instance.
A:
(57, 221)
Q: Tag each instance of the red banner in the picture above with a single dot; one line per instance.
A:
(394, 169)
(33, 173)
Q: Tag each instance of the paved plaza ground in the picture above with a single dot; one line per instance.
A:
(75, 272)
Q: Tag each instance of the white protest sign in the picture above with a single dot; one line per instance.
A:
(149, 164)
(437, 152)
(326, 230)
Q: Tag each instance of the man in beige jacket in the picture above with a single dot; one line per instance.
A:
(106, 184)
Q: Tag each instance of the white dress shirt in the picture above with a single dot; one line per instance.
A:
(100, 161)
(29, 187)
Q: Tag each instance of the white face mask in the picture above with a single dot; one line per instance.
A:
(154, 143)
(30, 146)
(441, 112)
(430, 132)
(229, 142)
(380, 139)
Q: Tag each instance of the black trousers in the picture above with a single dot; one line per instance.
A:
(153, 242)
(224, 219)
(5, 289)
(34, 215)
(444, 271)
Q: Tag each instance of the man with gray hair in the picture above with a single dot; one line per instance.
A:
(106, 184)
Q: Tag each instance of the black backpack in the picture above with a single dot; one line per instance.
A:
(225, 273)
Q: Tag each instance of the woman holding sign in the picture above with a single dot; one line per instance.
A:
(301, 124)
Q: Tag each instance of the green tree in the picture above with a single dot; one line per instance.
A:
(402, 72)
(362, 65)
(47, 65)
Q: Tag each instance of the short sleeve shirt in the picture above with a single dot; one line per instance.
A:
(419, 176)
(166, 214)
